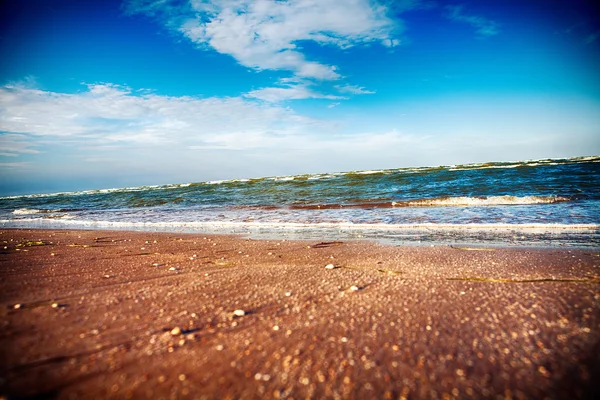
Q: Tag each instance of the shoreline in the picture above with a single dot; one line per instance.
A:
(138, 314)
(582, 236)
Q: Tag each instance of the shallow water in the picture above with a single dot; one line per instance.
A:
(542, 202)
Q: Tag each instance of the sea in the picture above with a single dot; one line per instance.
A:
(538, 203)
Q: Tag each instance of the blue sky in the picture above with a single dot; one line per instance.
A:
(98, 94)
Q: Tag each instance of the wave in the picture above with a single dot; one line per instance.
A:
(28, 211)
(218, 182)
(99, 191)
(47, 214)
(463, 201)
(524, 163)
(320, 176)
(482, 201)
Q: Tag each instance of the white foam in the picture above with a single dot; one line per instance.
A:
(482, 201)
(529, 227)
(373, 171)
(26, 211)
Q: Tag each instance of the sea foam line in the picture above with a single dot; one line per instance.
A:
(300, 225)
(483, 201)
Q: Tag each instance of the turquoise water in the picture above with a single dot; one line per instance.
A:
(547, 202)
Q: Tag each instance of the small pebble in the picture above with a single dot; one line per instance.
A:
(18, 306)
(176, 331)
(172, 269)
(276, 327)
(54, 305)
(52, 254)
(157, 265)
(288, 294)
(354, 288)
(219, 347)
(239, 313)
(330, 266)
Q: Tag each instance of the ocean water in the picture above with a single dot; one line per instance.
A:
(547, 202)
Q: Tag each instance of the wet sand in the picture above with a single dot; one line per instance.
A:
(99, 314)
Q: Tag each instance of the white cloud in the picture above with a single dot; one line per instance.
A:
(12, 145)
(353, 89)
(292, 92)
(109, 122)
(108, 114)
(264, 34)
(15, 165)
(483, 26)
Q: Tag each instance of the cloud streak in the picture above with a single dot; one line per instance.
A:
(352, 89)
(291, 92)
(109, 114)
(13, 145)
(483, 26)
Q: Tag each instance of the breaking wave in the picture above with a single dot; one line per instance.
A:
(462, 201)
(482, 201)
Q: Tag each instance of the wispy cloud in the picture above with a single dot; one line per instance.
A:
(354, 143)
(98, 124)
(13, 145)
(592, 37)
(263, 34)
(107, 114)
(14, 165)
(291, 92)
(483, 26)
(352, 89)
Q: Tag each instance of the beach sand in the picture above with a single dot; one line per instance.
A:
(100, 314)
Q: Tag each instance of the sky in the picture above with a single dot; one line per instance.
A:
(106, 94)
